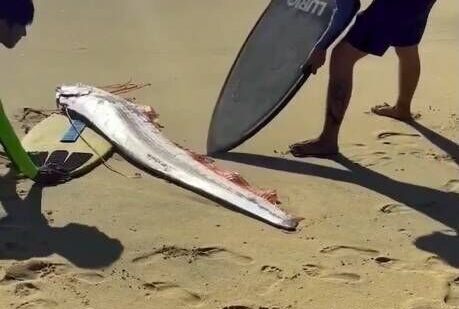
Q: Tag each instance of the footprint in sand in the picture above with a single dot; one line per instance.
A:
(452, 186)
(31, 270)
(213, 253)
(435, 263)
(272, 277)
(395, 208)
(271, 269)
(172, 291)
(387, 262)
(237, 307)
(452, 297)
(312, 270)
(386, 134)
(348, 249)
(317, 271)
(38, 303)
(378, 161)
(90, 277)
(223, 254)
(24, 289)
(430, 264)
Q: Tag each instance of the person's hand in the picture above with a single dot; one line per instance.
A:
(316, 60)
(52, 174)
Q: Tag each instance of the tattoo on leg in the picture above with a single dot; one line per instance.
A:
(338, 101)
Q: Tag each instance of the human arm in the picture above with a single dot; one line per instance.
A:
(46, 174)
(345, 12)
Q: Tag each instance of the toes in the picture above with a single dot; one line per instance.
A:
(297, 149)
(298, 154)
(297, 146)
(380, 107)
(314, 148)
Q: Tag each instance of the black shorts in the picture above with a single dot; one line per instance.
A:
(387, 23)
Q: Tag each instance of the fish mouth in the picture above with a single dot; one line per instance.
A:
(64, 93)
(62, 101)
(77, 90)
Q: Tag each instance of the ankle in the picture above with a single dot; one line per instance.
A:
(403, 106)
(329, 139)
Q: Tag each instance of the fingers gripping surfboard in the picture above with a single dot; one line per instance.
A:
(268, 70)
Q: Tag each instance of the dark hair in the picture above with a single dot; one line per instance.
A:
(17, 11)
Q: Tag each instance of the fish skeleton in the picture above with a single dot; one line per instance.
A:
(133, 130)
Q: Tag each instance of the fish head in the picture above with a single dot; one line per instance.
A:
(69, 96)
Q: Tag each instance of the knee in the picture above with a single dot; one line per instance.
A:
(407, 53)
(338, 51)
(345, 53)
(343, 58)
(337, 57)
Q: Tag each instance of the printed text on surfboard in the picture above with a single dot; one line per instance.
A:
(309, 6)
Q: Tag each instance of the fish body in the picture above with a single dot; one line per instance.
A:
(134, 132)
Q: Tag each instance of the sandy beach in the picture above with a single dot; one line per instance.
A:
(381, 221)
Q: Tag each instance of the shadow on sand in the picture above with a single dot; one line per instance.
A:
(439, 205)
(25, 232)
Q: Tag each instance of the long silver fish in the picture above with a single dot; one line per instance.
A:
(133, 130)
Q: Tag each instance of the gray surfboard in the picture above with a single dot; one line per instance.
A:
(268, 70)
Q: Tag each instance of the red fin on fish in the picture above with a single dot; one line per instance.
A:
(269, 195)
(151, 114)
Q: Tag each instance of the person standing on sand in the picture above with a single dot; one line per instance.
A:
(15, 16)
(385, 23)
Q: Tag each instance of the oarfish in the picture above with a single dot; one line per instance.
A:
(134, 131)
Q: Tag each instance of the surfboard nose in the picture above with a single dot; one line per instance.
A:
(225, 131)
(211, 150)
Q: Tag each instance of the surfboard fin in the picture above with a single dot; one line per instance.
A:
(74, 132)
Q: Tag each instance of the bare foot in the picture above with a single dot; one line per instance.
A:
(393, 112)
(313, 148)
